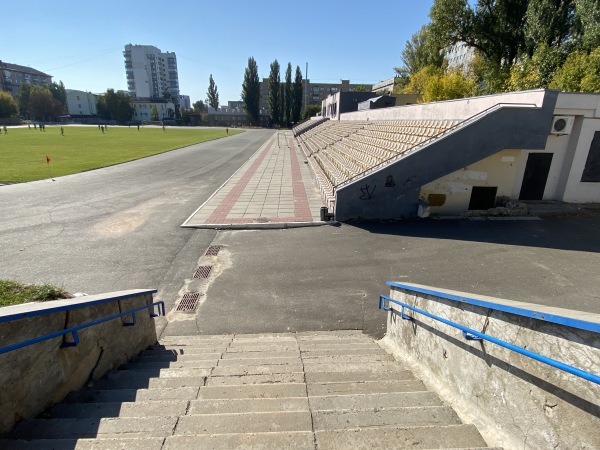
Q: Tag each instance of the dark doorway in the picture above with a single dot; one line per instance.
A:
(483, 197)
(536, 175)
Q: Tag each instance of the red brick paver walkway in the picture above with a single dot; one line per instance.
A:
(272, 189)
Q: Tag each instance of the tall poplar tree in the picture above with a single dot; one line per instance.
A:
(297, 96)
(287, 97)
(274, 94)
(251, 92)
(212, 96)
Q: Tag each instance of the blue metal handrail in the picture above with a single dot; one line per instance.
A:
(73, 330)
(470, 334)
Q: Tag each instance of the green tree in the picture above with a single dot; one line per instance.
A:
(23, 99)
(154, 113)
(448, 86)
(42, 105)
(287, 97)
(115, 106)
(537, 71)
(587, 15)
(212, 95)
(311, 110)
(251, 92)
(58, 92)
(8, 105)
(199, 106)
(274, 93)
(421, 51)
(579, 73)
(297, 92)
(360, 88)
(550, 23)
(419, 80)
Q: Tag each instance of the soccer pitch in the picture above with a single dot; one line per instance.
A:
(23, 151)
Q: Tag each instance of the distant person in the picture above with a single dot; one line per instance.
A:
(163, 127)
(98, 127)
(105, 127)
(138, 126)
(5, 129)
(102, 129)
(227, 130)
(35, 126)
(29, 126)
(62, 131)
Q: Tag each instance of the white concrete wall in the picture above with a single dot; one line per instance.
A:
(81, 103)
(460, 109)
(515, 401)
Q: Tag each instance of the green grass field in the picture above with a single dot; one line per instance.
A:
(23, 151)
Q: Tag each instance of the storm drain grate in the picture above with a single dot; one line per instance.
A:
(213, 250)
(189, 302)
(203, 272)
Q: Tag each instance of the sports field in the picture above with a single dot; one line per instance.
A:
(23, 151)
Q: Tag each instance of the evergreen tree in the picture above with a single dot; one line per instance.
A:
(251, 92)
(274, 94)
(297, 96)
(212, 96)
(287, 94)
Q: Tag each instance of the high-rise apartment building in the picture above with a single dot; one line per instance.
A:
(150, 72)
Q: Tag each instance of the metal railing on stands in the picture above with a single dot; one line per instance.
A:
(473, 335)
(160, 305)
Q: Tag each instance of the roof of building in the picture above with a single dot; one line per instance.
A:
(18, 68)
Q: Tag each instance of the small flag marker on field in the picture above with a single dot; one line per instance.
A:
(48, 164)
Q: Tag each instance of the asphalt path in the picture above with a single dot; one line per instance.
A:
(118, 227)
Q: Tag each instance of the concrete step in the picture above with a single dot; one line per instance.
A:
(263, 348)
(266, 340)
(155, 408)
(150, 383)
(371, 366)
(189, 349)
(265, 369)
(253, 391)
(158, 372)
(145, 364)
(337, 334)
(296, 440)
(341, 377)
(248, 405)
(131, 395)
(89, 428)
(167, 355)
(338, 344)
(343, 351)
(365, 358)
(255, 355)
(196, 339)
(369, 387)
(83, 444)
(253, 361)
(244, 423)
(409, 416)
(374, 401)
(430, 437)
(274, 378)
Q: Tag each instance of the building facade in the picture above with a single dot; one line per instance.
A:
(81, 104)
(459, 55)
(313, 93)
(185, 102)
(13, 76)
(143, 110)
(150, 72)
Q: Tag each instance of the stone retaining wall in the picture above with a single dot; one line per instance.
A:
(515, 401)
(34, 377)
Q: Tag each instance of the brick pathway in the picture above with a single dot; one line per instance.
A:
(273, 189)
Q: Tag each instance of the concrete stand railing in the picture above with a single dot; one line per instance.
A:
(33, 377)
(515, 401)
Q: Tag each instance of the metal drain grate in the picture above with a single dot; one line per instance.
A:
(189, 302)
(203, 272)
(213, 250)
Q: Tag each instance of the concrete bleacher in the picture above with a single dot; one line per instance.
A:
(340, 151)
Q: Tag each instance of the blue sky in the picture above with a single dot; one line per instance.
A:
(81, 42)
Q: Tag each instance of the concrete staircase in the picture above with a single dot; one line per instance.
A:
(325, 390)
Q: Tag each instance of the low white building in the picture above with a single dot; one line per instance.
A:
(143, 110)
(81, 104)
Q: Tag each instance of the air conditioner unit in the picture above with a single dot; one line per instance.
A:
(562, 125)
